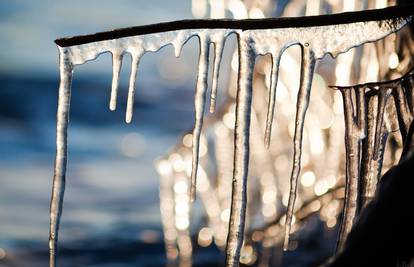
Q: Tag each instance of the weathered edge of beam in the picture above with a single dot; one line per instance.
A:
(374, 85)
(244, 24)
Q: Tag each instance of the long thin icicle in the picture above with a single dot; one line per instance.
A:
(370, 167)
(354, 132)
(382, 101)
(56, 203)
(199, 105)
(272, 97)
(218, 53)
(131, 89)
(403, 110)
(241, 151)
(308, 65)
(367, 178)
(116, 69)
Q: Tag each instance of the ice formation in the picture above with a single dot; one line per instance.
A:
(315, 37)
(365, 137)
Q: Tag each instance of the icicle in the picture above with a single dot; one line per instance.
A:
(241, 151)
(66, 72)
(391, 119)
(358, 34)
(382, 101)
(367, 179)
(354, 131)
(218, 53)
(401, 105)
(272, 97)
(308, 65)
(361, 113)
(376, 167)
(116, 69)
(371, 167)
(199, 105)
(131, 89)
(178, 47)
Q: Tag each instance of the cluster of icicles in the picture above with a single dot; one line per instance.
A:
(369, 119)
(314, 42)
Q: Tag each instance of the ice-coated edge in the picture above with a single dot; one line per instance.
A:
(318, 40)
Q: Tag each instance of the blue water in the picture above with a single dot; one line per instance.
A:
(111, 200)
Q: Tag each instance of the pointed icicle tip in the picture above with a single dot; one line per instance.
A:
(287, 234)
(128, 118)
(178, 47)
(193, 188)
(177, 51)
(286, 244)
(267, 142)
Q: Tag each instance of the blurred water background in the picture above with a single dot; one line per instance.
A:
(111, 210)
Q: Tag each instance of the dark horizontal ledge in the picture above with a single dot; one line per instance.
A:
(245, 24)
(373, 85)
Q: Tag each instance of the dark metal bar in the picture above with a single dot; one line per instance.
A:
(245, 24)
(375, 85)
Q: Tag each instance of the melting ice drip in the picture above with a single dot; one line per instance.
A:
(369, 118)
(316, 38)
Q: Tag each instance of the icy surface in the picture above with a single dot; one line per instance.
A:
(355, 129)
(366, 132)
(199, 106)
(66, 71)
(315, 42)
